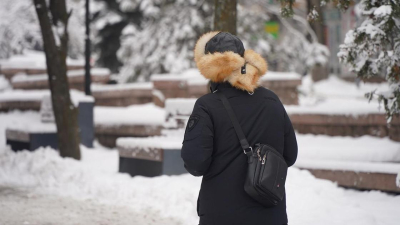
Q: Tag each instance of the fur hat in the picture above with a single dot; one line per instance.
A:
(220, 57)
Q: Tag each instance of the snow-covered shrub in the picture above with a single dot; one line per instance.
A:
(373, 49)
(164, 39)
(158, 36)
(19, 27)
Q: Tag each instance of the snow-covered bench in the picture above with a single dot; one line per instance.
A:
(76, 79)
(43, 132)
(191, 84)
(361, 175)
(343, 117)
(363, 162)
(122, 94)
(284, 84)
(112, 123)
(151, 156)
(32, 62)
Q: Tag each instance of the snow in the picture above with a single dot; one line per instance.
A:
(15, 118)
(23, 95)
(398, 180)
(383, 10)
(348, 149)
(31, 59)
(34, 126)
(365, 154)
(116, 87)
(38, 95)
(146, 114)
(46, 177)
(158, 94)
(333, 106)
(109, 19)
(191, 76)
(194, 77)
(44, 209)
(179, 106)
(271, 75)
(334, 96)
(338, 88)
(368, 167)
(70, 73)
(160, 142)
(40, 187)
(4, 84)
(20, 30)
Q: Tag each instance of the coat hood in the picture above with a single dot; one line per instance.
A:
(227, 66)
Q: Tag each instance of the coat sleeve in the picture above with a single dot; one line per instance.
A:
(197, 146)
(290, 143)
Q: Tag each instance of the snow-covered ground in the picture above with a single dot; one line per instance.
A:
(42, 188)
(92, 192)
(335, 96)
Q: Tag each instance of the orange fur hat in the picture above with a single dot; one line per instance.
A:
(226, 66)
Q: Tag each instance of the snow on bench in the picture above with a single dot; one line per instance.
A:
(132, 121)
(122, 94)
(31, 99)
(32, 62)
(191, 84)
(151, 156)
(336, 107)
(179, 110)
(364, 163)
(40, 133)
(76, 79)
(360, 175)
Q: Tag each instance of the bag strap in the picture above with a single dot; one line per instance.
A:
(239, 132)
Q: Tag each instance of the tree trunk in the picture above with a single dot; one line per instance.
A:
(225, 16)
(65, 112)
(319, 72)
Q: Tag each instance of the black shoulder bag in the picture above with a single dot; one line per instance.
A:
(267, 169)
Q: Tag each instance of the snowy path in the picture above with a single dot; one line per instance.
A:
(19, 206)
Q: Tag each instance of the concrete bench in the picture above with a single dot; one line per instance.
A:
(122, 94)
(352, 174)
(152, 156)
(112, 123)
(346, 125)
(76, 79)
(108, 135)
(43, 133)
(191, 84)
(284, 85)
(32, 62)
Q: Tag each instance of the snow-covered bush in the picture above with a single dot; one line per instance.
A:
(19, 27)
(164, 39)
(373, 49)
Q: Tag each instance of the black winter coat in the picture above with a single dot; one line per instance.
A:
(211, 149)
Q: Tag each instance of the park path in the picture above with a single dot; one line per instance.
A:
(23, 207)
